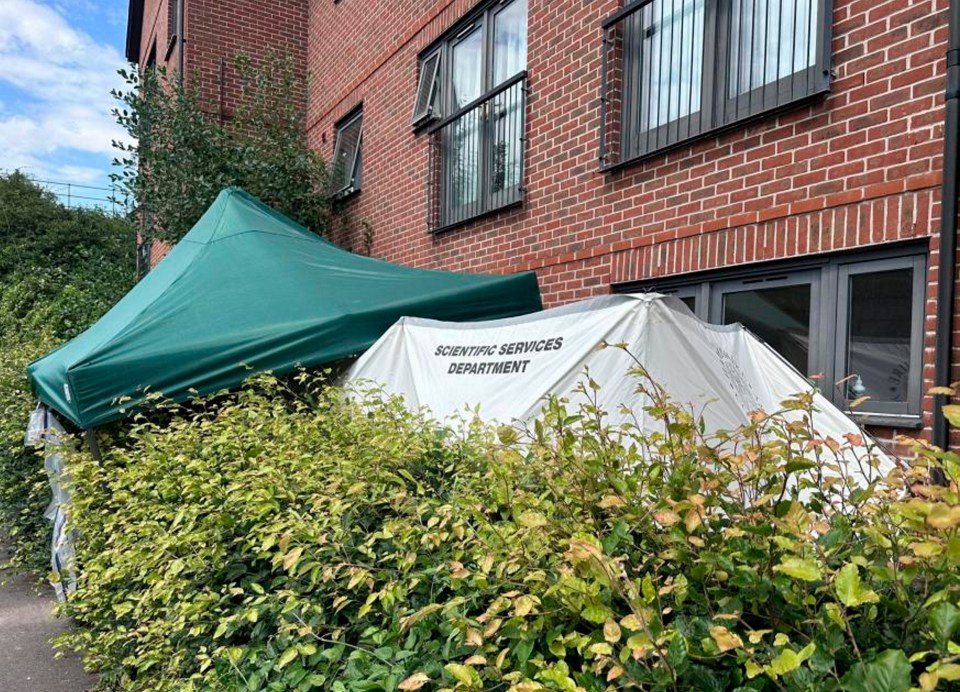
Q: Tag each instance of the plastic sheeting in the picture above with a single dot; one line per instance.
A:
(46, 431)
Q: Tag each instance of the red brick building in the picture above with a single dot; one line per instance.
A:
(773, 162)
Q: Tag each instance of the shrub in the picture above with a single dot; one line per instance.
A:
(267, 542)
(60, 269)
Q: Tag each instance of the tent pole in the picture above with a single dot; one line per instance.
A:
(92, 443)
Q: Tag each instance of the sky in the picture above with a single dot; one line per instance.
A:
(58, 64)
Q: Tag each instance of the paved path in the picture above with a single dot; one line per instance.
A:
(26, 626)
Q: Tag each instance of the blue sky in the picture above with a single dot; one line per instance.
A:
(58, 63)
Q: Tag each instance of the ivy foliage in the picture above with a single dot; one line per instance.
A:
(184, 149)
(60, 269)
(281, 540)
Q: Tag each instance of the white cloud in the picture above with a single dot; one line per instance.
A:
(55, 83)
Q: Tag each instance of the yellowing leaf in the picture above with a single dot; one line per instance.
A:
(614, 673)
(928, 681)
(800, 568)
(414, 682)
(943, 517)
(463, 674)
(952, 414)
(692, 520)
(601, 649)
(632, 622)
(756, 636)
(611, 631)
(611, 501)
(725, 639)
(666, 517)
(849, 590)
(927, 549)
(532, 520)
(290, 559)
(753, 670)
(287, 656)
(524, 605)
(949, 671)
(476, 660)
(474, 638)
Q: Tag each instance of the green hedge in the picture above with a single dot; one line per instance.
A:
(272, 541)
(60, 269)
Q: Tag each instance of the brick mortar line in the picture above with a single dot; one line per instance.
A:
(424, 23)
(881, 190)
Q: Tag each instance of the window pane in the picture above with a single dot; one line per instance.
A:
(507, 155)
(780, 316)
(467, 66)
(879, 331)
(770, 40)
(510, 42)
(462, 152)
(671, 60)
(691, 303)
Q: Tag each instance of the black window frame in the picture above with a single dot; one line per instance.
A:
(718, 112)
(340, 189)
(435, 112)
(829, 277)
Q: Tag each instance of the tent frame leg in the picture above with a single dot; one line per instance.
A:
(91, 435)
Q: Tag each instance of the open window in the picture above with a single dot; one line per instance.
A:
(345, 166)
(472, 94)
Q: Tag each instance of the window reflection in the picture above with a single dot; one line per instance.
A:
(879, 329)
(780, 316)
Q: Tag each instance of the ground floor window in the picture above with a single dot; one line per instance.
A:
(854, 320)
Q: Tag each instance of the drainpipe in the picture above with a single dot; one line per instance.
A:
(181, 11)
(948, 228)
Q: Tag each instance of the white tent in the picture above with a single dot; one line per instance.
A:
(507, 367)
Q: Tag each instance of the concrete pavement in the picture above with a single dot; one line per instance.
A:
(27, 624)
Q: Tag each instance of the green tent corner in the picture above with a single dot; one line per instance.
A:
(249, 290)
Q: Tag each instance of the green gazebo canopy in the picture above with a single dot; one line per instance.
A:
(248, 290)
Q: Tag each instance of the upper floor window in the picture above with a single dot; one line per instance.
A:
(678, 69)
(855, 320)
(345, 165)
(472, 95)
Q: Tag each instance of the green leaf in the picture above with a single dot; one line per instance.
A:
(849, 589)
(888, 672)
(944, 619)
(800, 568)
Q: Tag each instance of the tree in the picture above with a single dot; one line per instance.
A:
(180, 157)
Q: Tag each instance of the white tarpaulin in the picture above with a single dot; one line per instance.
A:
(507, 367)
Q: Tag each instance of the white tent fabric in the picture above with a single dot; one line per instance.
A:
(507, 367)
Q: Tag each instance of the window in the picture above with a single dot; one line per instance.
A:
(471, 96)
(345, 166)
(856, 320)
(678, 69)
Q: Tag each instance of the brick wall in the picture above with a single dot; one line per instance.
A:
(858, 168)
